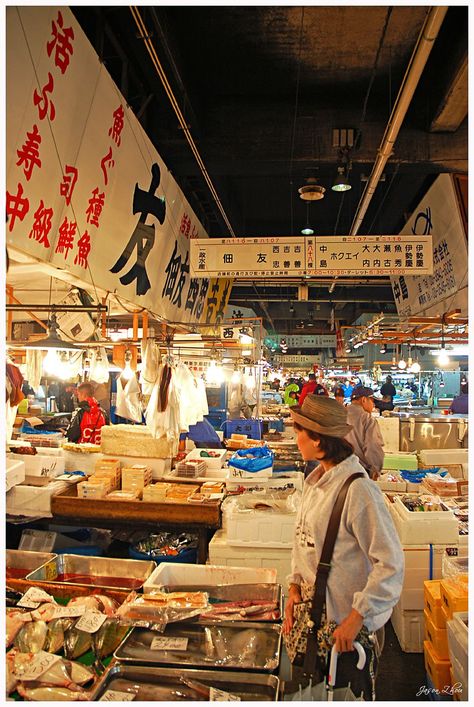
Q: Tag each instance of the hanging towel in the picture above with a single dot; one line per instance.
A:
(129, 403)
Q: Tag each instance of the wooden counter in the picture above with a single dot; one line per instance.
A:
(67, 507)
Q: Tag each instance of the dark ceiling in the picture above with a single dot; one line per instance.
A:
(262, 89)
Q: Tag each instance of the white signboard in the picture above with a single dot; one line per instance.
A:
(438, 215)
(368, 255)
(303, 341)
(248, 257)
(325, 255)
(237, 333)
(297, 359)
(86, 189)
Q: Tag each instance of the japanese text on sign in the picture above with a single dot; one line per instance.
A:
(91, 621)
(39, 664)
(169, 643)
(216, 695)
(117, 696)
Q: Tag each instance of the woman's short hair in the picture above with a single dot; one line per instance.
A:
(335, 449)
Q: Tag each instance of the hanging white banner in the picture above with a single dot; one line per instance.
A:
(86, 189)
(437, 214)
(248, 257)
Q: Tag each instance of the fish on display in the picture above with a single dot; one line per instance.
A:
(109, 636)
(31, 638)
(149, 692)
(56, 634)
(63, 673)
(76, 642)
(15, 620)
(43, 693)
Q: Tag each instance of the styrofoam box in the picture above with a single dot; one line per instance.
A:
(15, 472)
(79, 461)
(409, 627)
(418, 561)
(233, 473)
(259, 528)
(424, 528)
(458, 640)
(438, 457)
(47, 461)
(390, 430)
(221, 553)
(174, 573)
(385, 485)
(32, 500)
(211, 462)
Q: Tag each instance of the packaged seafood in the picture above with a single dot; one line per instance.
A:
(237, 645)
(157, 609)
(162, 684)
(29, 668)
(103, 572)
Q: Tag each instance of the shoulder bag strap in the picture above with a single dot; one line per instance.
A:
(324, 567)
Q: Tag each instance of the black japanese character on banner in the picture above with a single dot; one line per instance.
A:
(211, 302)
(424, 217)
(222, 303)
(181, 282)
(193, 293)
(403, 287)
(143, 237)
(172, 270)
(202, 299)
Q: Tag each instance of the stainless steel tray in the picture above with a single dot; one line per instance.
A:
(103, 572)
(248, 686)
(237, 645)
(26, 560)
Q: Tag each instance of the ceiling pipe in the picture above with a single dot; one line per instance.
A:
(410, 81)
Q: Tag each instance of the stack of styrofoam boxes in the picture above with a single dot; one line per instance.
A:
(213, 463)
(442, 599)
(457, 629)
(425, 537)
(221, 553)
(454, 460)
(15, 472)
(48, 461)
(169, 574)
(390, 431)
(257, 528)
(136, 477)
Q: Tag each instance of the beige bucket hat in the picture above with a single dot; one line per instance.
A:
(322, 415)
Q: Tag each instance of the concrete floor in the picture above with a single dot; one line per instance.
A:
(400, 674)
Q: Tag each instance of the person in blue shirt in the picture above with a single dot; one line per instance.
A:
(460, 404)
(348, 388)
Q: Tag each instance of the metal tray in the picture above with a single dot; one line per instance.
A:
(26, 560)
(253, 646)
(103, 572)
(248, 686)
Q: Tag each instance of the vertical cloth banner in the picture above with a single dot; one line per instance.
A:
(87, 192)
(438, 215)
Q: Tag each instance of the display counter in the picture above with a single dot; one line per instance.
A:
(436, 431)
(66, 507)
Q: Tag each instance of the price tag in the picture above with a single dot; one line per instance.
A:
(91, 621)
(117, 696)
(216, 695)
(39, 664)
(65, 612)
(34, 597)
(169, 643)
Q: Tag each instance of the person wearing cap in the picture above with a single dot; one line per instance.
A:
(365, 436)
(366, 573)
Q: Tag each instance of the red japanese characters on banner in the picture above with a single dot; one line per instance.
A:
(67, 231)
(42, 225)
(66, 188)
(96, 204)
(61, 43)
(17, 207)
(186, 226)
(28, 155)
(116, 129)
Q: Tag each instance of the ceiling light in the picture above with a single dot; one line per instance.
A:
(341, 182)
(311, 191)
(307, 230)
(415, 368)
(443, 357)
(383, 349)
(402, 364)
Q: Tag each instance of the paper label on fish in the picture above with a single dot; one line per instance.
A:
(169, 643)
(91, 621)
(39, 664)
(216, 695)
(65, 612)
(34, 597)
(117, 696)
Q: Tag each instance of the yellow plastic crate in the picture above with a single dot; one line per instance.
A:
(454, 595)
(437, 636)
(433, 602)
(436, 667)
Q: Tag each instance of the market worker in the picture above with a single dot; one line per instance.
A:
(339, 394)
(88, 419)
(460, 404)
(365, 576)
(290, 387)
(388, 389)
(365, 436)
(313, 387)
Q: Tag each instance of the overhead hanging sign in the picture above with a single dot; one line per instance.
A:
(297, 360)
(248, 257)
(86, 190)
(340, 256)
(368, 255)
(438, 215)
(306, 341)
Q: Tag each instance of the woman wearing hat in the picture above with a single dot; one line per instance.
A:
(366, 570)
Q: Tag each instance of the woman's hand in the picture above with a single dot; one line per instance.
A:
(346, 632)
(294, 597)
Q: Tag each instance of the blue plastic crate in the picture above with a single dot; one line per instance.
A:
(252, 428)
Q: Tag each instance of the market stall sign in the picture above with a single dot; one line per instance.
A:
(437, 215)
(87, 192)
(325, 255)
(297, 360)
(303, 341)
